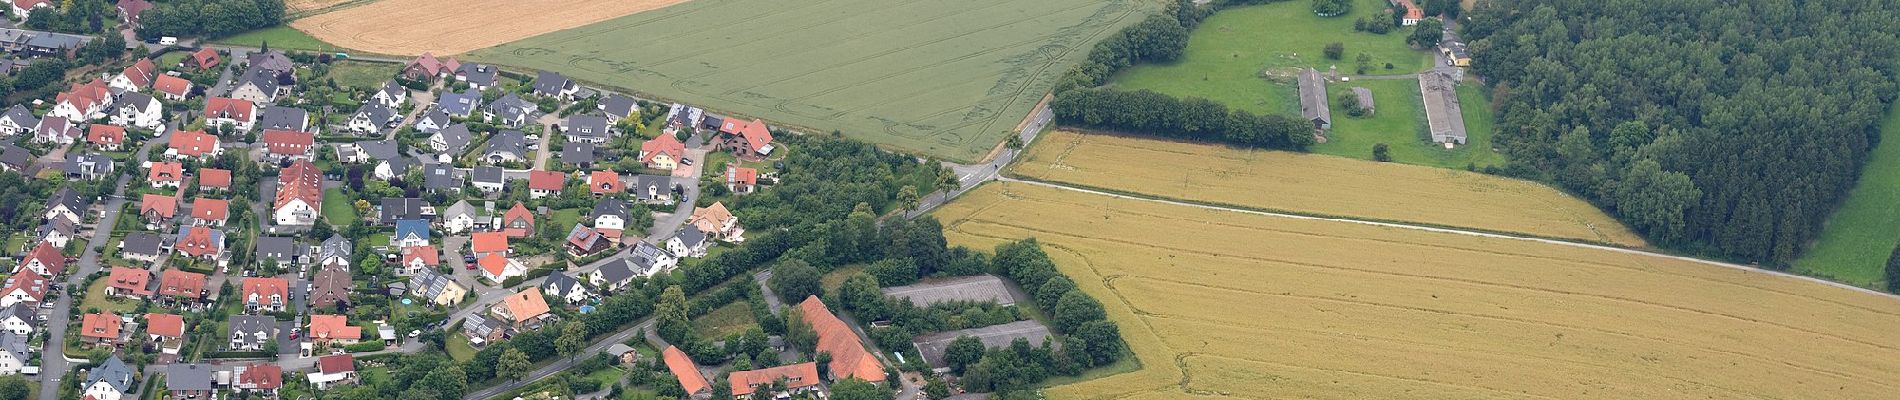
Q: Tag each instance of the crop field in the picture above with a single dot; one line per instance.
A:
(1217, 302)
(944, 78)
(1317, 185)
(445, 27)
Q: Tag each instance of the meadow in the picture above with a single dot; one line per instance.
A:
(1317, 185)
(940, 78)
(280, 37)
(1225, 303)
(1863, 232)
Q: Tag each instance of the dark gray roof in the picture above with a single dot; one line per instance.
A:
(428, 284)
(460, 104)
(609, 206)
(644, 185)
(560, 283)
(381, 149)
(273, 60)
(691, 236)
(398, 208)
(188, 377)
(587, 125)
(142, 243)
(621, 269)
(70, 198)
(477, 74)
(113, 372)
(577, 153)
(96, 164)
(18, 310)
(487, 174)
(246, 327)
(134, 100)
(15, 157)
(376, 113)
(393, 89)
(14, 343)
(549, 83)
(482, 327)
(439, 176)
(335, 246)
(276, 247)
(618, 105)
(511, 106)
(21, 116)
(648, 250)
(456, 136)
(1313, 103)
(264, 79)
(438, 118)
(61, 225)
(507, 141)
(459, 208)
(287, 118)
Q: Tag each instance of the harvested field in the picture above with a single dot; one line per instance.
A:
(941, 78)
(1217, 302)
(1318, 184)
(411, 27)
(294, 6)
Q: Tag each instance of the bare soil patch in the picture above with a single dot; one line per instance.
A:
(410, 27)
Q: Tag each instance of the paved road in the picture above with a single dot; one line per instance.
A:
(968, 176)
(547, 135)
(771, 299)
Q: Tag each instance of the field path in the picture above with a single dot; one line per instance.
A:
(1467, 233)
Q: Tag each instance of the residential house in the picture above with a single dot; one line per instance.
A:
(105, 137)
(289, 145)
(545, 183)
(258, 379)
(452, 140)
(426, 67)
(329, 289)
(139, 110)
(372, 118)
(173, 88)
(87, 167)
(203, 59)
(26, 286)
(652, 189)
(56, 130)
(580, 155)
(618, 107)
(82, 101)
(517, 222)
(214, 179)
(258, 85)
(583, 241)
(274, 61)
(610, 216)
(603, 182)
(432, 121)
(459, 217)
(333, 371)
(102, 328)
(524, 310)
(335, 251)
(498, 268)
(239, 114)
(717, 222)
(18, 319)
(191, 381)
(165, 174)
(14, 159)
(458, 104)
(748, 140)
(58, 232)
(284, 119)
(849, 359)
(485, 243)
(336, 329)
(588, 129)
(66, 203)
(681, 116)
(129, 10)
(200, 242)
(45, 44)
(142, 246)
(265, 294)
(393, 209)
(662, 152)
(478, 76)
(481, 330)
(436, 288)
(111, 380)
(488, 179)
(193, 144)
(134, 78)
(391, 95)
(181, 285)
(794, 378)
(283, 250)
(689, 242)
(252, 332)
(509, 110)
(683, 369)
(17, 120)
(410, 232)
(553, 84)
(565, 287)
(15, 352)
(299, 195)
(507, 146)
(418, 258)
(167, 331)
(210, 212)
(657, 259)
(616, 275)
(741, 180)
(24, 8)
(130, 283)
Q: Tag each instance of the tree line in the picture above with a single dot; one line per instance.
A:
(209, 18)
(1734, 132)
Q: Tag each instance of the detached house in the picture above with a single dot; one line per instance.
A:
(214, 179)
(299, 194)
(252, 332)
(157, 210)
(717, 222)
(524, 310)
(583, 241)
(14, 159)
(616, 275)
(517, 222)
(210, 212)
(478, 76)
(238, 113)
(459, 104)
(588, 129)
(508, 146)
(267, 294)
(257, 85)
(165, 174)
(142, 246)
(436, 288)
(191, 381)
(689, 242)
(25, 287)
(25, 8)
(86, 167)
(200, 242)
(259, 379)
(391, 95)
(109, 381)
(748, 140)
(460, 217)
(610, 216)
(662, 152)
(681, 116)
(56, 129)
(330, 288)
(488, 179)
(193, 144)
(165, 330)
(334, 329)
(652, 189)
(545, 183)
(183, 286)
(101, 329)
(618, 107)
(58, 232)
(741, 180)
(203, 59)
(128, 283)
(426, 67)
(136, 77)
(17, 120)
(83, 102)
(173, 88)
(289, 145)
(105, 137)
(14, 353)
(418, 258)
(603, 182)
(452, 140)
(432, 121)
(372, 118)
(497, 268)
(139, 110)
(510, 110)
(333, 371)
(66, 203)
(17, 319)
(283, 119)
(553, 84)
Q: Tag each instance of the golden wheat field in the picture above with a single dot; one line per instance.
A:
(1217, 302)
(1318, 184)
(446, 27)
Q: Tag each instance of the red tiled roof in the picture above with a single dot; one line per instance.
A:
(1412, 12)
(29, 4)
(193, 143)
(164, 206)
(663, 144)
(796, 376)
(205, 57)
(334, 327)
(225, 107)
(105, 135)
(129, 279)
(100, 326)
(140, 73)
(546, 180)
(336, 364)
(517, 213)
(50, 256)
(603, 182)
(132, 8)
(27, 281)
(848, 357)
(265, 287)
(755, 133)
(684, 369)
(425, 253)
(180, 283)
(86, 95)
(488, 242)
(526, 304)
(173, 85)
(213, 177)
(743, 175)
(301, 181)
(494, 263)
(283, 142)
(166, 172)
(261, 376)
(210, 209)
(168, 325)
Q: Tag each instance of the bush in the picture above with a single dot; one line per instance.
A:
(364, 347)
(1335, 50)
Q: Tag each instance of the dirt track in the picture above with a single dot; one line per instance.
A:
(410, 27)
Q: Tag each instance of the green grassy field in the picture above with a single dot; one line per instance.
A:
(943, 78)
(1400, 123)
(1862, 233)
(96, 298)
(725, 320)
(459, 349)
(1228, 53)
(337, 208)
(279, 37)
(363, 75)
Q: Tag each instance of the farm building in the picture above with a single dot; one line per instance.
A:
(1441, 107)
(987, 288)
(1365, 99)
(932, 346)
(1313, 99)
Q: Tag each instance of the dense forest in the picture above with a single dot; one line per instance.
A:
(1727, 127)
(209, 18)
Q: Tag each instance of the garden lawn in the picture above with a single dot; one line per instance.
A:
(1399, 122)
(1853, 249)
(459, 349)
(725, 320)
(363, 75)
(279, 37)
(565, 218)
(1229, 51)
(96, 298)
(15, 243)
(337, 208)
(170, 60)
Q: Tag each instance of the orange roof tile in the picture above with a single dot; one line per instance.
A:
(180, 283)
(265, 287)
(603, 182)
(663, 144)
(193, 143)
(164, 206)
(546, 180)
(105, 135)
(848, 357)
(131, 280)
(488, 242)
(425, 253)
(168, 325)
(796, 376)
(336, 327)
(210, 209)
(684, 369)
(165, 172)
(301, 181)
(173, 85)
(100, 326)
(213, 177)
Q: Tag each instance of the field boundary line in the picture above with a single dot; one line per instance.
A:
(1455, 231)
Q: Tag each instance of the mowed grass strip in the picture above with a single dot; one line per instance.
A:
(280, 37)
(1862, 233)
(1216, 301)
(1319, 185)
(942, 78)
